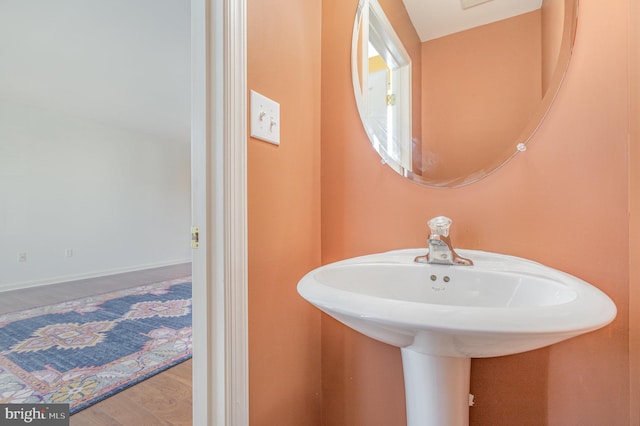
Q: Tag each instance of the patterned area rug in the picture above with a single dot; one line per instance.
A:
(83, 351)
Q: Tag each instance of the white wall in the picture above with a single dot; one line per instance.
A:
(119, 199)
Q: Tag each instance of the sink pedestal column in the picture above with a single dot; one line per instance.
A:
(436, 388)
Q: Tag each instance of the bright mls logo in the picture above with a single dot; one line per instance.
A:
(34, 414)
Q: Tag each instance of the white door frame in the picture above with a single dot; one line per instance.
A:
(218, 163)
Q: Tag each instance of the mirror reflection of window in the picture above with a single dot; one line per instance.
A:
(378, 88)
(385, 72)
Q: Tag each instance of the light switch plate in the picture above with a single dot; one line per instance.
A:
(265, 118)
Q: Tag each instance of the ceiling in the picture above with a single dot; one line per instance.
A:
(124, 63)
(437, 18)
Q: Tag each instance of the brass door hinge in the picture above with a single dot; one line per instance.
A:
(195, 237)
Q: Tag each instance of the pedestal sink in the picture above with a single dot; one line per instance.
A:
(441, 316)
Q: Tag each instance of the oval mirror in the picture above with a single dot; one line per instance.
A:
(450, 90)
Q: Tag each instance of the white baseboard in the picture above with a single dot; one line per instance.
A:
(92, 274)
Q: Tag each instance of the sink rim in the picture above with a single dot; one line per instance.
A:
(589, 310)
(490, 289)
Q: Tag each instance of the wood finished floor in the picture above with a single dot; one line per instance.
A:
(17, 300)
(162, 400)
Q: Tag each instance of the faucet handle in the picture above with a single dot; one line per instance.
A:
(439, 226)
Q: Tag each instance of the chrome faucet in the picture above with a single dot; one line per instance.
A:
(440, 248)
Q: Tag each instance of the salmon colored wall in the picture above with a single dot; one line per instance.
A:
(564, 203)
(634, 198)
(479, 89)
(552, 18)
(283, 62)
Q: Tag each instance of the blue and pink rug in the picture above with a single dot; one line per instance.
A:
(83, 351)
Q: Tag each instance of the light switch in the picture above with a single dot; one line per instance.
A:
(265, 118)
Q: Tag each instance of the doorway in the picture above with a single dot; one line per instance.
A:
(218, 138)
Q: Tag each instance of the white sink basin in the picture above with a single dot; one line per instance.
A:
(501, 305)
(441, 316)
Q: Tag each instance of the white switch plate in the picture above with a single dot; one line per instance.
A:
(265, 118)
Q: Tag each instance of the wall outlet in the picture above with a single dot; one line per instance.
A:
(22, 257)
(68, 252)
(265, 118)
